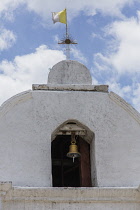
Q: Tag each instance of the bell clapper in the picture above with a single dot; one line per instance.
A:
(73, 158)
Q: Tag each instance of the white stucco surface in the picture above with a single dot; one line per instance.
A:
(69, 72)
(28, 120)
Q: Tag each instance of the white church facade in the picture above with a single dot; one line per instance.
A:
(36, 130)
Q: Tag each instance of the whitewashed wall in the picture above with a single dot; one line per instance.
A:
(28, 120)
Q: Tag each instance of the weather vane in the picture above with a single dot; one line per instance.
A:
(67, 40)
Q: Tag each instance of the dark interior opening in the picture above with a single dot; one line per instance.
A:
(65, 172)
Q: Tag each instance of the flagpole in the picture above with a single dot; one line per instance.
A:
(67, 40)
(66, 25)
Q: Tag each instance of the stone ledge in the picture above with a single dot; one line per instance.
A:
(5, 187)
(75, 195)
(98, 88)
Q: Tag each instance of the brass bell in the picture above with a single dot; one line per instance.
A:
(73, 149)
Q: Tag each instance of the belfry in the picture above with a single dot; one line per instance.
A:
(69, 144)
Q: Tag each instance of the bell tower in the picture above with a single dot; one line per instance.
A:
(69, 144)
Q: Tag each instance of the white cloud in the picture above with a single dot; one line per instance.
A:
(96, 36)
(101, 62)
(45, 7)
(131, 93)
(18, 75)
(78, 55)
(109, 7)
(123, 91)
(7, 39)
(123, 52)
(8, 6)
(121, 61)
(127, 56)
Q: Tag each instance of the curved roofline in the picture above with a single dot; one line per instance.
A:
(126, 106)
(25, 95)
(68, 61)
(11, 102)
(69, 72)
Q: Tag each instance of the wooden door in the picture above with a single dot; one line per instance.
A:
(85, 169)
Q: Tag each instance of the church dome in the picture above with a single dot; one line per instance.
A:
(69, 72)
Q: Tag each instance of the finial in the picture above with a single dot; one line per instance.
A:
(67, 40)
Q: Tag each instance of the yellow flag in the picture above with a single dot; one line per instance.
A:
(60, 16)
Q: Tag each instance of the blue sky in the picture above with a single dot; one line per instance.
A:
(107, 32)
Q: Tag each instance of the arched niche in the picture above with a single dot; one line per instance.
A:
(65, 172)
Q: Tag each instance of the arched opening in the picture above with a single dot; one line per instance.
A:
(65, 172)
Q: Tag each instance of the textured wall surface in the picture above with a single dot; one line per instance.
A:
(69, 72)
(28, 120)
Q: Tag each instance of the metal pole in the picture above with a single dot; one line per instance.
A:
(66, 25)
